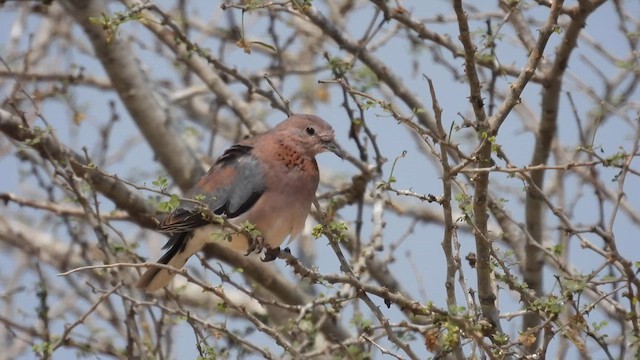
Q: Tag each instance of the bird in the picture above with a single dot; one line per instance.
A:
(268, 181)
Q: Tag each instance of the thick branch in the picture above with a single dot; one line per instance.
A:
(150, 113)
(486, 283)
(47, 145)
(534, 205)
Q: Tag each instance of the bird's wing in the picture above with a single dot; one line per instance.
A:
(230, 187)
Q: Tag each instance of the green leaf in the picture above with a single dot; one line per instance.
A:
(161, 182)
(169, 206)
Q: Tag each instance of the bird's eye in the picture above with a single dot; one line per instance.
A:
(310, 130)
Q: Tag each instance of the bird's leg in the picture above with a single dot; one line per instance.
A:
(255, 244)
(270, 254)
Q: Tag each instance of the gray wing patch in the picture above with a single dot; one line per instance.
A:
(231, 187)
(233, 184)
(239, 196)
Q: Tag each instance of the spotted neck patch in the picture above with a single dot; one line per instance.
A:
(293, 159)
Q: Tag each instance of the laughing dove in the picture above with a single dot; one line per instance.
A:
(269, 180)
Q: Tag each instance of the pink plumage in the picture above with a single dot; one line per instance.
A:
(269, 180)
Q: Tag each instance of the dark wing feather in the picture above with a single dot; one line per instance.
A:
(181, 220)
(176, 244)
(231, 187)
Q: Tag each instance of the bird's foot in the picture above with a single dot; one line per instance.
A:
(255, 245)
(270, 254)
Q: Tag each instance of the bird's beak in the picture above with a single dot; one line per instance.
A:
(333, 147)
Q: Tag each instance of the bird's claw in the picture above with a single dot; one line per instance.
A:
(270, 254)
(255, 244)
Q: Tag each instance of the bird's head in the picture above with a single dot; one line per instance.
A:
(312, 134)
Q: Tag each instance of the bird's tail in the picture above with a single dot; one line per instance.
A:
(181, 246)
